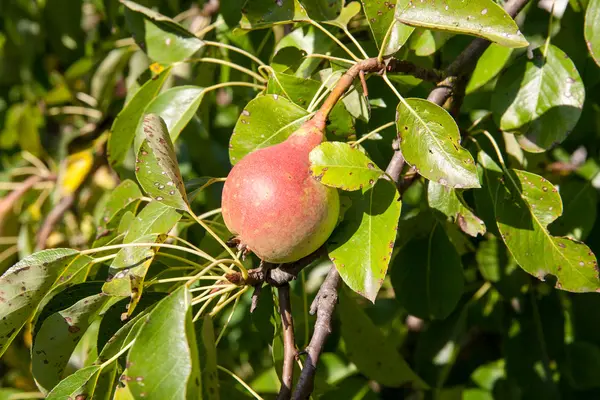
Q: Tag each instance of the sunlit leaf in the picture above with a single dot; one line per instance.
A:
(449, 202)
(539, 99)
(381, 18)
(592, 29)
(430, 141)
(579, 201)
(75, 170)
(491, 62)
(482, 18)
(339, 165)
(81, 384)
(157, 169)
(361, 246)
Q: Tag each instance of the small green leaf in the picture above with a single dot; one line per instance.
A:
(129, 119)
(259, 14)
(346, 14)
(540, 99)
(58, 337)
(430, 141)
(428, 276)
(176, 106)
(525, 204)
(210, 376)
(381, 17)
(156, 168)
(339, 165)
(592, 29)
(491, 62)
(361, 246)
(322, 10)
(119, 201)
(154, 218)
(170, 370)
(450, 203)
(379, 360)
(482, 18)
(164, 40)
(266, 120)
(80, 385)
(24, 285)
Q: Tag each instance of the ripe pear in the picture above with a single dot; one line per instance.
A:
(273, 204)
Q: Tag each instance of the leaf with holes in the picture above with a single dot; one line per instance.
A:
(24, 285)
(381, 17)
(379, 360)
(592, 29)
(539, 99)
(266, 120)
(176, 106)
(164, 40)
(58, 337)
(156, 168)
(127, 121)
(427, 275)
(80, 385)
(482, 18)
(450, 203)
(361, 246)
(171, 369)
(341, 166)
(524, 205)
(429, 140)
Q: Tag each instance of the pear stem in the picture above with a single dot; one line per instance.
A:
(368, 65)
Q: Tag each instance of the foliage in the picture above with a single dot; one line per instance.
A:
(467, 238)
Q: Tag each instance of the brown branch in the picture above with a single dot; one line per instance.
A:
(323, 305)
(289, 343)
(52, 220)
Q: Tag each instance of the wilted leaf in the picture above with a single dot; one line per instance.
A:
(482, 18)
(539, 99)
(427, 275)
(430, 141)
(361, 246)
(171, 369)
(266, 120)
(157, 169)
(75, 170)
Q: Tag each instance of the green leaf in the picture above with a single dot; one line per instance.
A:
(450, 203)
(258, 14)
(491, 62)
(579, 201)
(525, 204)
(498, 266)
(346, 14)
(210, 378)
(265, 121)
(592, 29)
(170, 370)
(322, 10)
(157, 169)
(381, 17)
(120, 198)
(176, 107)
(129, 119)
(428, 276)
(482, 18)
(430, 141)
(80, 385)
(361, 246)
(58, 337)
(379, 360)
(164, 40)
(154, 218)
(24, 285)
(339, 165)
(540, 99)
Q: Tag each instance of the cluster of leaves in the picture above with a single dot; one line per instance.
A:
(118, 123)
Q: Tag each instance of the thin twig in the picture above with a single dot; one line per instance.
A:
(289, 343)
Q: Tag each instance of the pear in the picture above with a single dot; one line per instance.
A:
(272, 203)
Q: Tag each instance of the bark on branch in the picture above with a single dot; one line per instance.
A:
(289, 343)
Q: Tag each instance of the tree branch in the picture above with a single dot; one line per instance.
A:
(289, 344)
(323, 305)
